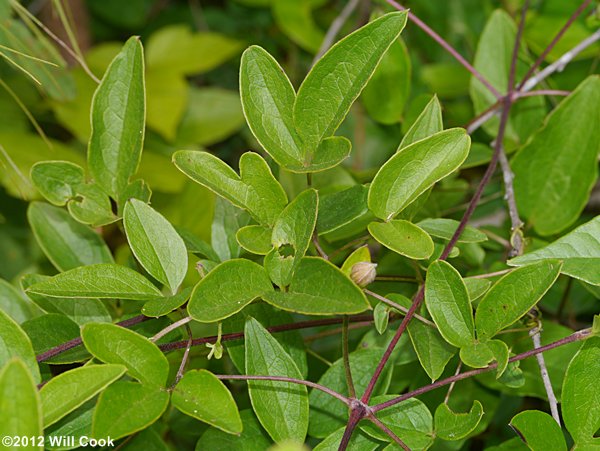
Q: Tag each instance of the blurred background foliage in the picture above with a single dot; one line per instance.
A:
(192, 51)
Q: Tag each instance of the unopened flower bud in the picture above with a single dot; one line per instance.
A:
(363, 273)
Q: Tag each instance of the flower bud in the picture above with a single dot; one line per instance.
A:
(363, 273)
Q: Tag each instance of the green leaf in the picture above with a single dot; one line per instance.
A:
(118, 117)
(338, 78)
(455, 426)
(52, 330)
(20, 405)
(401, 180)
(164, 305)
(291, 340)
(539, 430)
(281, 407)
(410, 420)
(295, 20)
(81, 311)
(268, 102)
(175, 48)
(327, 414)
(67, 391)
(155, 243)
(427, 123)
(296, 223)
(360, 441)
(581, 393)
(252, 438)
(127, 407)
(444, 228)
(77, 424)
(291, 236)
(227, 289)
(448, 303)
(201, 395)
(432, 350)
(113, 344)
(493, 61)
(391, 83)
(476, 287)
(56, 180)
(403, 237)
(15, 305)
(14, 342)
(104, 281)
(67, 243)
(91, 206)
(15, 177)
(255, 189)
(255, 239)
(341, 208)
(381, 317)
(362, 254)
(556, 170)
(227, 220)
(513, 296)
(579, 251)
(319, 288)
(480, 355)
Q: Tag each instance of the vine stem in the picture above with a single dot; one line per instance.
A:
(529, 81)
(186, 355)
(273, 329)
(399, 307)
(377, 422)
(451, 50)
(346, 357)
(171, 327)
(335, 28)
(516, 239)
(291, 380)
(24, 13)
(78, 341)
(166, 347)
(418, 300)
(577, 336)
(553, 43)
(560, 63)
(535, 335)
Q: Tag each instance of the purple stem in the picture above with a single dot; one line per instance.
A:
(77, 341)
(577, 336)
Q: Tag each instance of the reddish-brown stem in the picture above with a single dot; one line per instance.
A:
(346, 357)
(281, 328)
(355, 416)
(418, 300)
(377, 422)
(166, 347)
(451, 50)
(77, 341)
(553, 43)
(577, 336)
(291, 380)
